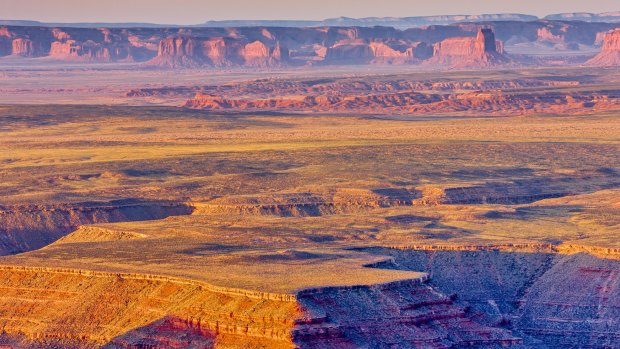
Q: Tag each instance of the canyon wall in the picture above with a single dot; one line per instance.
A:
(307, 204)
(408, 314)
(29, 227)
(549, 300)
(128, 312)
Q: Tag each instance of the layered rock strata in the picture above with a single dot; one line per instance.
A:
(481, 51)
(464, 45)
(610, 53)
(28, 227)
(548, 299)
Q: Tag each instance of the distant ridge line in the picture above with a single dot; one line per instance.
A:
(396, 22)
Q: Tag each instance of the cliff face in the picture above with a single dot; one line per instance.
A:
(461, 45)
(128, 311)
(377, 52)
(26, 48)
(307, 204)
(549, 300)
(24, 228)
(409, 314)
(89, 51)
(191, 52)
(610, 54)
(481, 51)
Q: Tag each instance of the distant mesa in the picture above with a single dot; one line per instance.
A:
(463, 45)
(610, 54)
(395, 22)
(586, 17)
(481, 51)
(26, 48)
(188, 52)
(377, 52)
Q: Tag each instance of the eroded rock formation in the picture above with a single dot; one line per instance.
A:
(479, 297)
(164, 313)
(188, 52)
(274, 46)
(610, 54)
(481, 51)
(360, 51)
(494, 102)
(307, 204)
(549, 300)
(28, 227)
(26, 48)
(409, 314)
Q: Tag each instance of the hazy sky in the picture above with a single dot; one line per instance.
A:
(198, 11)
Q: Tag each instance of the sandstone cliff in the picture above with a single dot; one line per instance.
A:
(377, 52)
(492, 101)
(610, 54)
(550, 300)
(188, 52)
(274, 46)
(29, 227)
(514, 299)
(481, 51)
(263, 47)
(26, 48)
(135, 311)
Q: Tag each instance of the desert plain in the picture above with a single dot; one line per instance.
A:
(328, 206)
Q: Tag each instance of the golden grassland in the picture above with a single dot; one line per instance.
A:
(286, 254)
(52, 154)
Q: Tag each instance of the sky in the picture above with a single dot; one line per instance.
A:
(199, 11)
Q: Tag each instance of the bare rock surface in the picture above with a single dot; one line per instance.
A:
(610, 54)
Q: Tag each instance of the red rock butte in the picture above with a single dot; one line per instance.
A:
(610, 54)
(481, 51)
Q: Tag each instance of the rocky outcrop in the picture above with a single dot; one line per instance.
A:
(29, 227)
(188, 52)
(481, 51)
(377, 52)
(176, 52)
(257, 54)
(408, 314)
(574, 304)
(517, 192)
(549, 300)
(477, 297)
(336, 100)
(74, 44)
(454, 45)
(26, 48)
(88, 51)
(265, 88)
(169, 332)
(307, 204)
(610, 54)
(5, 41)
(133, 311)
